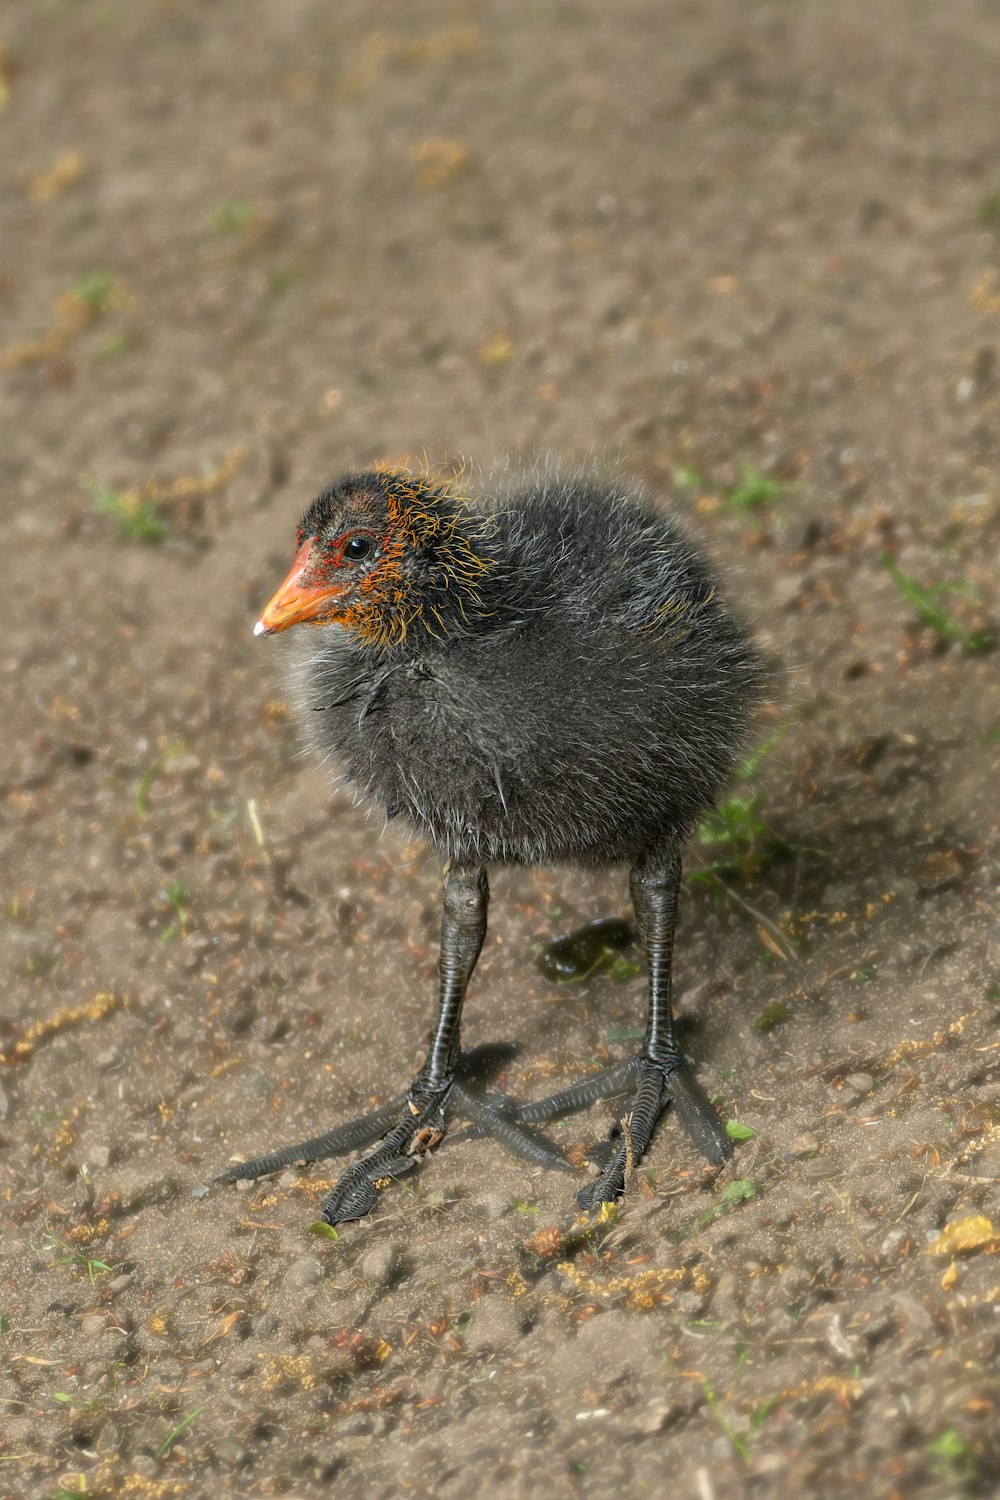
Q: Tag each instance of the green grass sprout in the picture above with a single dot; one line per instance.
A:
(138, 518)
(738, 1444)
(233, 215)
(740, 1190)
(96, 292)
(71, 1256)
(173, 1436)
(145, 785)
(925, 600)
(754, 490)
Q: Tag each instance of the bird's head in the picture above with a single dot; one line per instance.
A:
(379, 553)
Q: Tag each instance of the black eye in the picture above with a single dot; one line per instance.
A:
(358, 548)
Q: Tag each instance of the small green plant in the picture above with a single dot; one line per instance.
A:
(96, 292)
(736, 837)
(178, 895)
(738, 1444)
(169, 1441)
(68, 1255)
(145, 785)
(775, 1014)
(955, 1459)
(738, 1132)
(233, 215)
(754, 490)
(740, 1190)
(138, 518)
(690, 479)
(925, 600)
(760, 1413)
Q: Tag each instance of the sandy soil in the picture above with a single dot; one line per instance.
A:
(247, 246)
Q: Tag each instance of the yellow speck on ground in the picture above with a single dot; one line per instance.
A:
(645, 1290)
(288, 1369)
(498, 350)
(68, 167)
(984, 296)
(85, 1234)
(381, 48)
(440, 160)
(197, 486)
(73, 313)
(69, 1015)
(966, 1236)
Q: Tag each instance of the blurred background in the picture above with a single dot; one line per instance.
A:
(746, 256)
(681, 235)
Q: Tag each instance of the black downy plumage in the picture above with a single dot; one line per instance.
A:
(544, 676)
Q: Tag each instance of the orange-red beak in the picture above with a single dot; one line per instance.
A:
(298, 599)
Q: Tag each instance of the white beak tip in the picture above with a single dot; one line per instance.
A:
(260, 628)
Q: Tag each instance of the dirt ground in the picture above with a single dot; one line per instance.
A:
(750, 256)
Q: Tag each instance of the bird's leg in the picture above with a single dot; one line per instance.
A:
(662, 1077)
(420, 1123)
(414, 1123)
(658, 1074)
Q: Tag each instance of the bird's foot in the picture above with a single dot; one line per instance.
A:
(419, 1128)
(660, 1085)
(405, 1130)
(657, 1085)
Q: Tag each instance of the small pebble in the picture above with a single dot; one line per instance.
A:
(818, 1168)
(495, 1326)
(233, 1454)
(892, 1241)
(305, 1271)
(379, 1266)
(656, 1417)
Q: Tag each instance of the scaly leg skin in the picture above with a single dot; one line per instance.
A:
(658, 1074)
(409, 1127)
(662, 1077)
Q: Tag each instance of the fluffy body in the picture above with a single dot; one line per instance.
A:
(550, 677)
